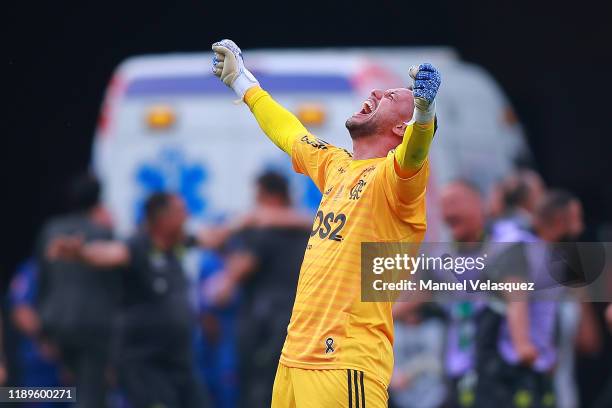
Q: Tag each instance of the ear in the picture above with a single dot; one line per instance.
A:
(399, 129)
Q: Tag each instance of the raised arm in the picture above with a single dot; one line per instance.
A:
(412, 152)
(280, 125)
(101, 254)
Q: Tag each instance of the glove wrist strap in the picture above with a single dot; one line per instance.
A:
(243, 83)
(423, 116)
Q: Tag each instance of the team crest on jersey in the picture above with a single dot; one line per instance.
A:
(315, 142)
(355, 193)
(357, 189)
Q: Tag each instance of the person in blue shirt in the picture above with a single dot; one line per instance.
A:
(34, 356)
(215, 348)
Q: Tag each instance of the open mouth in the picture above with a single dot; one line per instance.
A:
(369, 106)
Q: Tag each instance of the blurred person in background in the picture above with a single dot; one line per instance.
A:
(216, 338)
(3, 372)
(418, 375)
(76, 302)
(517, 344)
(594, 342)
(604, 399)
(521, 192)
(35, 358)
(221, 295)
(594, 358)
(518, 195)
(263, 260)
(154, 356)
(463, 212)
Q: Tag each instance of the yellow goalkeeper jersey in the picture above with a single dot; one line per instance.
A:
(363, 201)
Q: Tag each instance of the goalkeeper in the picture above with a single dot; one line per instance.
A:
(338, 350)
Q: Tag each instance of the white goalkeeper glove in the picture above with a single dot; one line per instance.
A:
(426, 83)
(228, 65)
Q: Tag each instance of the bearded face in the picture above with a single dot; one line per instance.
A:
(380, 112)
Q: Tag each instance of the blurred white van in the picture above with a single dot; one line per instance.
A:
(167, 123)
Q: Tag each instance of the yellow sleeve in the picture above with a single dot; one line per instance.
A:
(317, 159)
(404, 195)
(412, 152)
(310, 155)
(405, 172)
(280, 125)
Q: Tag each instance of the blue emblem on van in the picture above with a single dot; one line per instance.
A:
(172, 172)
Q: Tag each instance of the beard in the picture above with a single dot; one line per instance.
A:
(359, 130)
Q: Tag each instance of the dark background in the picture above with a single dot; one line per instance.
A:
(548, 56)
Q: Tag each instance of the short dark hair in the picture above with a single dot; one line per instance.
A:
(274, 183)
(515, 192)
(84, 192)
(517, 187)
(155, 204)
(553, 202)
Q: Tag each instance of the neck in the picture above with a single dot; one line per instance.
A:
(161, 241)
(375, 146)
